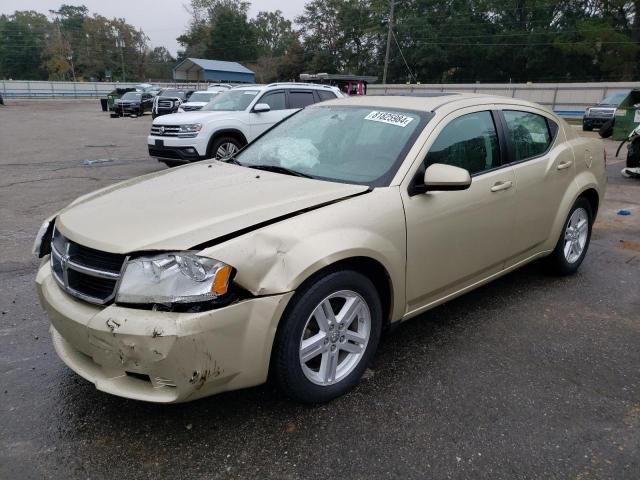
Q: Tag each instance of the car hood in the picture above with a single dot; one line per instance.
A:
(190, 117)
(180, 208)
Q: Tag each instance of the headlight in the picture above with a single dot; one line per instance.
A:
(43, 239)
(178, 277)
(189, 130)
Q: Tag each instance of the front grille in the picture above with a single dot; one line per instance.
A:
(165, 103)
(85, 273)
(190, 108)
(600, 112)
(165, 130)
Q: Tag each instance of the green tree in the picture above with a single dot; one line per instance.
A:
(274, 34)
(231, 36)
(23, 37)
(160, 64)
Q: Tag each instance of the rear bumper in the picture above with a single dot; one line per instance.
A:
(162, 357)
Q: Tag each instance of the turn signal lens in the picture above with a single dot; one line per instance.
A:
(221, 282)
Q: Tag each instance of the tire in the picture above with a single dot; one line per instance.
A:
(311, 381)
(586, 128)
(606, 130)
(565, 259)
(224, 143)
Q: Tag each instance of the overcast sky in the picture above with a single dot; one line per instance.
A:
(162, 21)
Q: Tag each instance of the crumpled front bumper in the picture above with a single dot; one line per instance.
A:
(163, 357)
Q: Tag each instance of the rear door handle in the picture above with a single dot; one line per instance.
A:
(564, 165)
(498, 186)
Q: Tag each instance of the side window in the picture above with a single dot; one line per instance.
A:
(276, 100)
(325, 95)
(300, 98)
(529, 134)
(469, 142)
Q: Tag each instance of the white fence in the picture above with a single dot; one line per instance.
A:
(567, 99)
(44, 89)
(564, 98)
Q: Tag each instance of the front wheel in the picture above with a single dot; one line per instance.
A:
(223, 148)
(574, 241)
(327, 337)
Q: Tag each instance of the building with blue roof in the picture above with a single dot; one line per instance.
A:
(202, 70)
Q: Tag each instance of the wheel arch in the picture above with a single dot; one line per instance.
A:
(589, 192)
(370, 268)
(591, 195)
(226, 132)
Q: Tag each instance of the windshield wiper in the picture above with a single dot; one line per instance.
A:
(231, 160)
(278, 169)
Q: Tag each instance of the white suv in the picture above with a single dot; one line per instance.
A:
(230, 121)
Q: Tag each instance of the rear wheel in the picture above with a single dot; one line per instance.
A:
(224, 147)
(574, 241)
(327, 337)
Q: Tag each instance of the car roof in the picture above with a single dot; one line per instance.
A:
(278, 85)
(429, 102)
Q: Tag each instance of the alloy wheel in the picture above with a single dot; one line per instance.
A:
(226, 150)
(335, 337)
(576, 235)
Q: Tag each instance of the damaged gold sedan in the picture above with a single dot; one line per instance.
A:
(289, 259)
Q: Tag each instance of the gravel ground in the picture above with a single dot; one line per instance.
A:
(528, 377)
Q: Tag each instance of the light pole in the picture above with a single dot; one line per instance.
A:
(386, 55)
(120, 45)
(73, 68)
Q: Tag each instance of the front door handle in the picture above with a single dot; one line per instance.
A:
(564, 165)
(498, 186)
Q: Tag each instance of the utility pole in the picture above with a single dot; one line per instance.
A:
(386, 55)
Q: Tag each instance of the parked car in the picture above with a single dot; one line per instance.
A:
(133, 103)
(199, 99)
(108, 103)
(290, 258)
(598, 115)
(230, 121)
(218, 86)
(168, 101)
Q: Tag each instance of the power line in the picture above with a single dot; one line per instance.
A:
(403, 59)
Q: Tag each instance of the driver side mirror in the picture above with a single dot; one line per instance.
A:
(441, 177)
(261, 107)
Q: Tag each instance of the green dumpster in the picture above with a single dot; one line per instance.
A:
(627, 115)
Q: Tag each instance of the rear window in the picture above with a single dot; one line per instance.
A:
(324, 95)
(529, 134)
(300, 99)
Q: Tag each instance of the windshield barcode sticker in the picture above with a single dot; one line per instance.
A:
(391, 118)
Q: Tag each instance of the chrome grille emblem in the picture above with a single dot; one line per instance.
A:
(81, 271)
